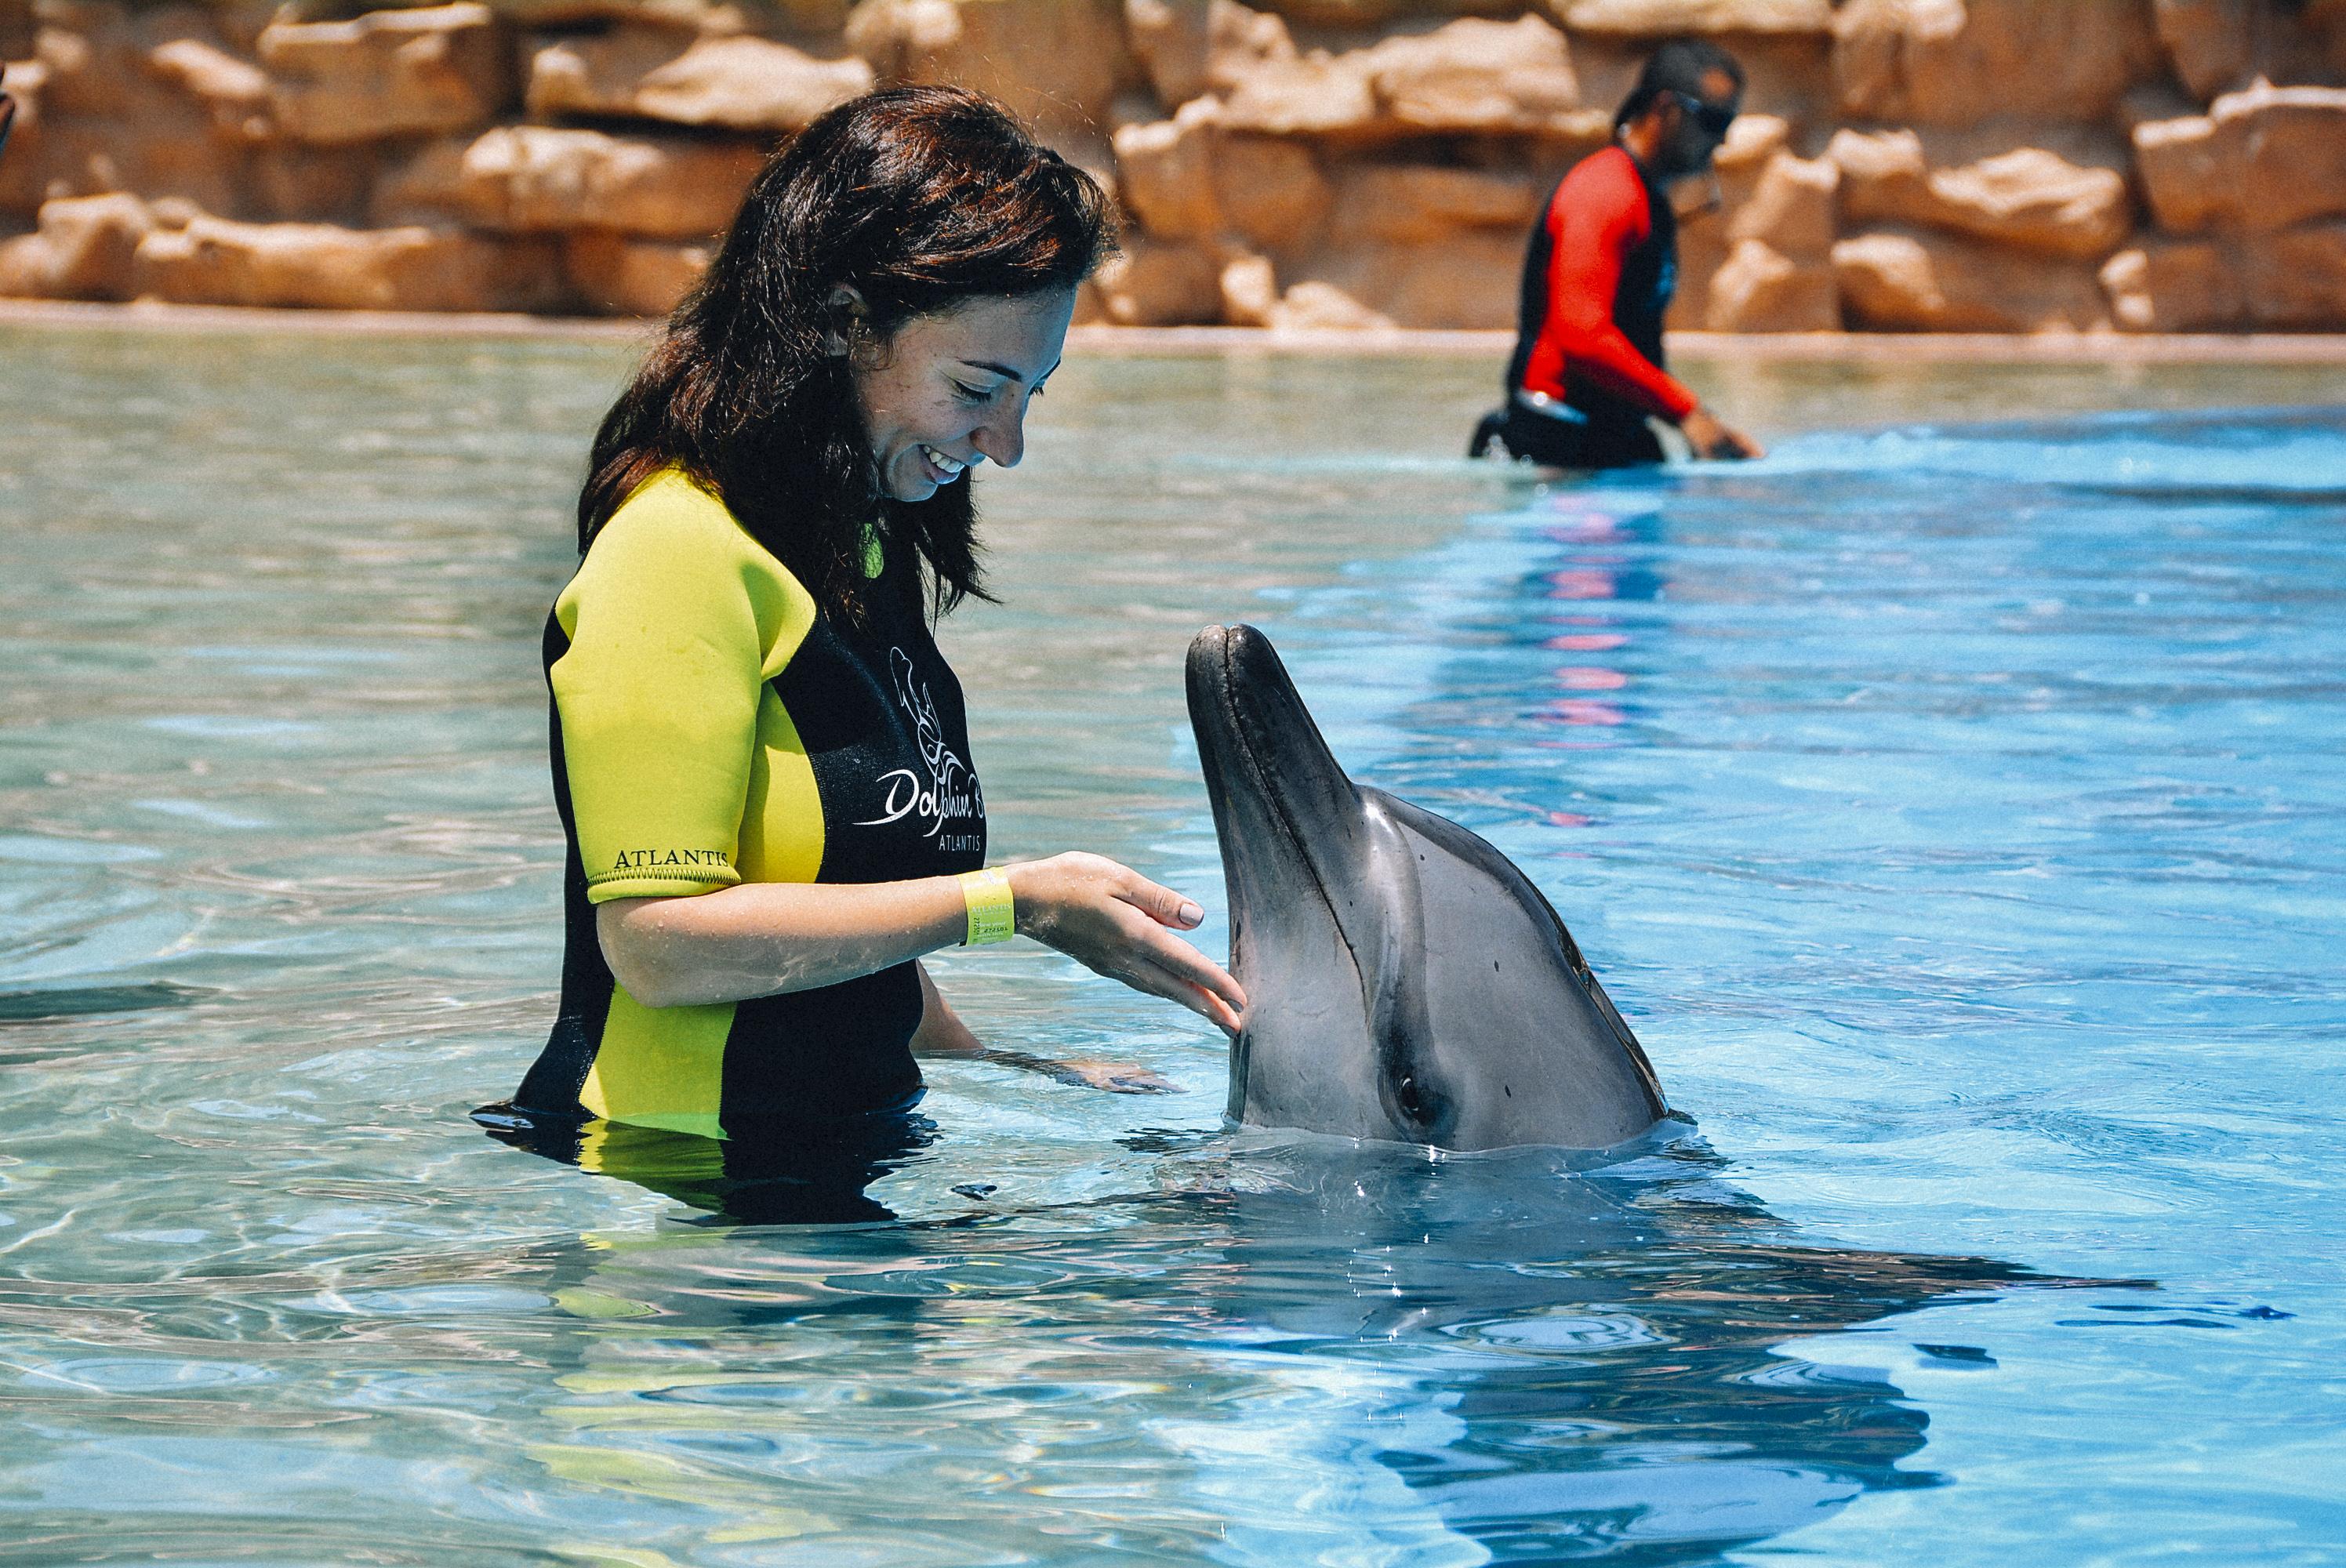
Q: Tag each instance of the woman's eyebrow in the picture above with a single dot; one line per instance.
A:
(1004, 370)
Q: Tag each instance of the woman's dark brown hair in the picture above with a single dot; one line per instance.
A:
(919, 198)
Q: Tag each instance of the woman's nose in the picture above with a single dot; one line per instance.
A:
(1002, 438)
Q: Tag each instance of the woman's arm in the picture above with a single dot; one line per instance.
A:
(759, 938)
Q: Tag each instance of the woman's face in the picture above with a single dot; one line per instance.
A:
(950, 391)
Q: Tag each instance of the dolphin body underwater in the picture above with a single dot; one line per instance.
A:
(1405, 982)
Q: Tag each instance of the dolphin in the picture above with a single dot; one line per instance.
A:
(1405, 982)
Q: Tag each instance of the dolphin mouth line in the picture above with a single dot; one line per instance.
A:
(1243, 737)
(1234, 739)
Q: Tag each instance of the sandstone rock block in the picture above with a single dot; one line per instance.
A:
(289, 181)
(1161, 283)
(92, 59)
(1941, 283)
(1671, 18)
(2030, 197)
(98, 114)
(2296, 279)
(1169, 38)
(1467, 278)
(1315, 95)
(214, 261)
(1753, 144)
(24, 183)
(1314, 306)
(2292, 279)
(1249, 291)
(1959, 62)
(1267, 84)
(1884, 176)
(1240, 41)
(714, 17)
(1411, 203)
(1055, 63)
(85, 249)
(535, 179)
(1165, 173)
(68, 155)
(2187, 171)
(1761, 290)
(1270, 191)
(2036, 199)
(2222, 45)
(2269, 158)
(234, 91)
(2175, 286)
(656, 74)
(1473, 75)
(620, 275)
(2211, 41)
(1791, 212)
(388, 73)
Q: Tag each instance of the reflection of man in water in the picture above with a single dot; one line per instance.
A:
(1586, 372)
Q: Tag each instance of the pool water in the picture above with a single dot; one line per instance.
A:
(1952, 801)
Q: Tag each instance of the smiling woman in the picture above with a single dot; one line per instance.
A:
(760, 756)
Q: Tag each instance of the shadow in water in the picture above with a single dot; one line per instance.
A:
(783, 1172)
(81, 1001)
(1603, 1344)
(1555, 1362)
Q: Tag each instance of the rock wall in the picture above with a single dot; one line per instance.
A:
(1902, 164)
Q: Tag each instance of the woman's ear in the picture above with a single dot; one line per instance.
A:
(850, 318)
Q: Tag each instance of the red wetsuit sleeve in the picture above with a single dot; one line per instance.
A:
(1599, 216)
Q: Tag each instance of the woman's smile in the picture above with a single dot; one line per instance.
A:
(944, 470)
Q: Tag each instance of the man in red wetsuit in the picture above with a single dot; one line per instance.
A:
(1586, 374)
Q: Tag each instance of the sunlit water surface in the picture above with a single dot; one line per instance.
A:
(1954, 807)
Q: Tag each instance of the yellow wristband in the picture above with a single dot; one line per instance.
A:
(993, 917)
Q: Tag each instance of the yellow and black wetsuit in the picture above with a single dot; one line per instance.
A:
(712, 725)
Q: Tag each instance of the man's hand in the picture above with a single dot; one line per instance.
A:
(1710, 439)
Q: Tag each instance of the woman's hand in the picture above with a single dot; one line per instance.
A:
(1115, 1077)
(1712, 440)
(1113, 921)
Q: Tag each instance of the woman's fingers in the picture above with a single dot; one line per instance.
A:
(1115, 921)
(1161, 903)
(1115, 1077)
(1220, 1005)
(1186, 964)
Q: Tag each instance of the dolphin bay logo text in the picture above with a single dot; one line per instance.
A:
(941, 790)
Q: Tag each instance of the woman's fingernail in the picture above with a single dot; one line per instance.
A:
(1191, 914)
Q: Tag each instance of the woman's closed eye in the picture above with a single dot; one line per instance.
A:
(968, 393)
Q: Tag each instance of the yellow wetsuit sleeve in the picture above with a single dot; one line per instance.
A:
(675, 621)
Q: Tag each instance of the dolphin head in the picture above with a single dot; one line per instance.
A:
(1405, 982)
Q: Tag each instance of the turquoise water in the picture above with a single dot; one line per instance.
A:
(1951, 801)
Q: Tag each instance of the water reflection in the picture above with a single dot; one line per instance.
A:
(787, 1173)
(1352, 1352)
(1603, 1345)
(33, 1006)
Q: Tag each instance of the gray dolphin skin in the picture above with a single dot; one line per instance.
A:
(1404, 981)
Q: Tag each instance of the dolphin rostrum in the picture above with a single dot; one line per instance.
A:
(1405, 980)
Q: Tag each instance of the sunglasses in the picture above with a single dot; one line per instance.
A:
(1713, 117)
